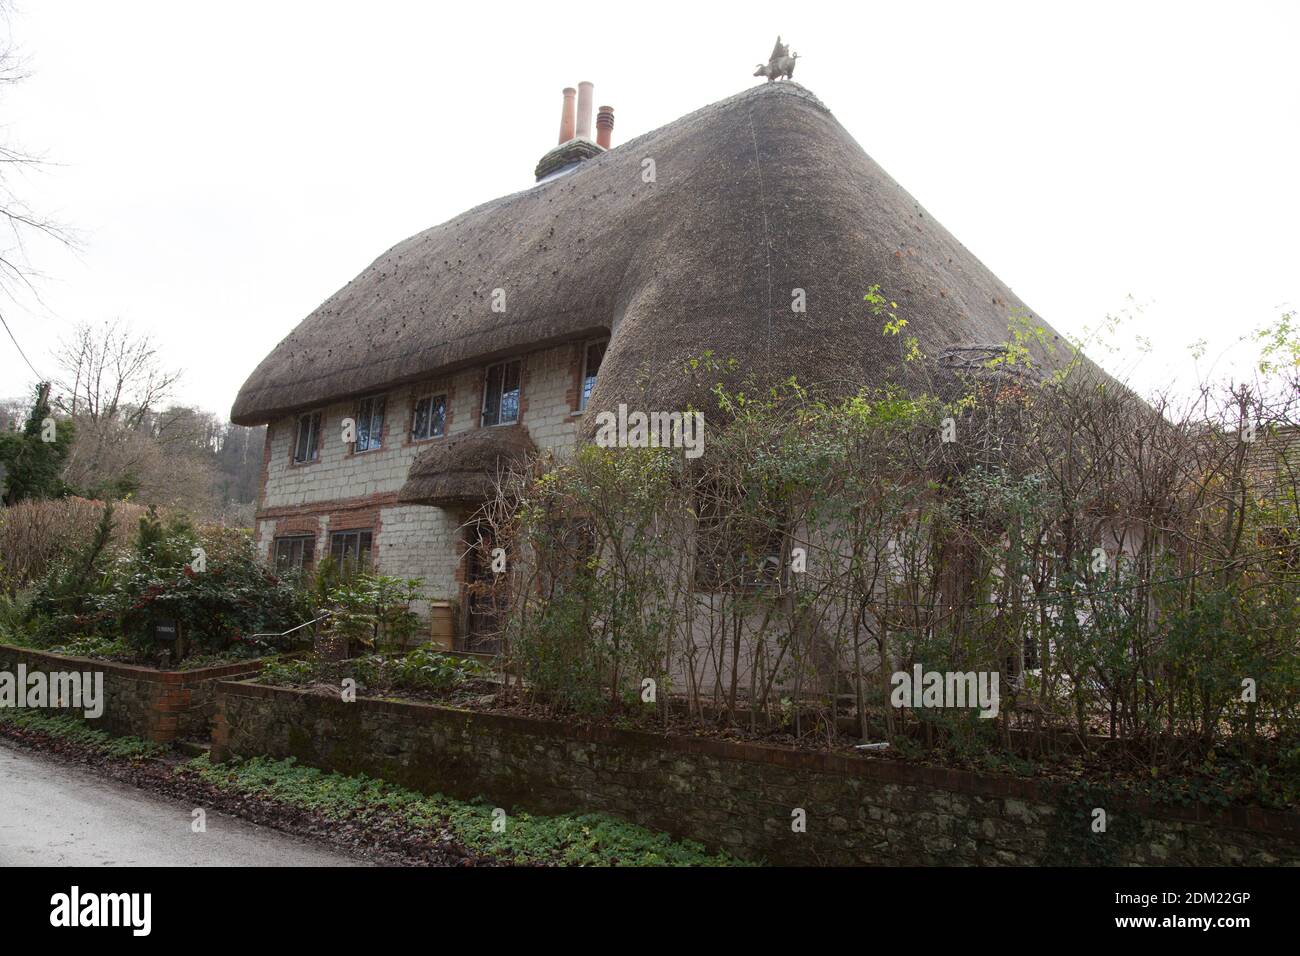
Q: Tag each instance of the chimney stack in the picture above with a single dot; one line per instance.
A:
(566, 115)
(604, 126)
(576, 144)
(585, 92)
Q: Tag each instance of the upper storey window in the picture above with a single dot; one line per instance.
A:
(501, 393)
(429, 419)
(370, 423)
(306, 446)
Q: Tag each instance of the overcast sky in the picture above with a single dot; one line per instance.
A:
(229, 166)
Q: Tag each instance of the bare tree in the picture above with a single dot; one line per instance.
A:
(16, 274)
(109, 373)
(113, 385)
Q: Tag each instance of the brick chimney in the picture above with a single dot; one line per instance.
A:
(576, 144)
(604, 126)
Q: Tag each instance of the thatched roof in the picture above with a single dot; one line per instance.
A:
(753, 197)
(1273, 461)
(464, 466)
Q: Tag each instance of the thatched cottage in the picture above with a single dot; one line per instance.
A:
(510, 327)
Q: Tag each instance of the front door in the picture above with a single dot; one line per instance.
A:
(484, 601)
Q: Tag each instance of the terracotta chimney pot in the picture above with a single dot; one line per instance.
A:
(566, 115)
(585, 92)
(604, 126)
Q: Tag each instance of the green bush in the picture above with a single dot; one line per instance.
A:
(100, 601)
(232, 598)
(425, 669)
(368, 609)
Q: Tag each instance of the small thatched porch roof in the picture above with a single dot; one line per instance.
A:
(463, 468)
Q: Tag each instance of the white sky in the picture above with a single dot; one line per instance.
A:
(231, 165)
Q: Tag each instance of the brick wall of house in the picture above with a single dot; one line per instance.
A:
(344, 489)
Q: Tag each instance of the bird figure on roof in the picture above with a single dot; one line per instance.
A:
(779, 65)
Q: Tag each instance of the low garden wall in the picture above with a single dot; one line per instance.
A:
(742, 797)
(161, 706)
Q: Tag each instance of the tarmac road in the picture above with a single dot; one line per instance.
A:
(52, 814)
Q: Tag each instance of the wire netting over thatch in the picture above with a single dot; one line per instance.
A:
(753, 197)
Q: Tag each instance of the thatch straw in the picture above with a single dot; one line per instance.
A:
(464, 467)
(753, 197)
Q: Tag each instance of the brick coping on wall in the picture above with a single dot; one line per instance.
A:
(1258, 819)
(140, 672)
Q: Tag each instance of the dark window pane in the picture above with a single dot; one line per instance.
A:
(492, 396)
(595, 354)
(377, 409)
(306, 443)
(510, 393)
(438, 417)
(420, 425)
(351, 548)
(294, 552)
(363, 425)
(370, 423)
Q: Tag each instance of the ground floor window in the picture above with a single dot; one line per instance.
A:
(351, 547)
(294, 552)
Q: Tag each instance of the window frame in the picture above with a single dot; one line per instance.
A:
(314, 422)
(584, 394)
(519, 388)
(306, 551)
(372, 443)
(431, 397)
(358, 533)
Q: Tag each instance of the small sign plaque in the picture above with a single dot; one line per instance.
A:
(166, 631)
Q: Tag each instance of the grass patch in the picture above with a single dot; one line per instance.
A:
(588, 839)
(565, 840)
(74, 731)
